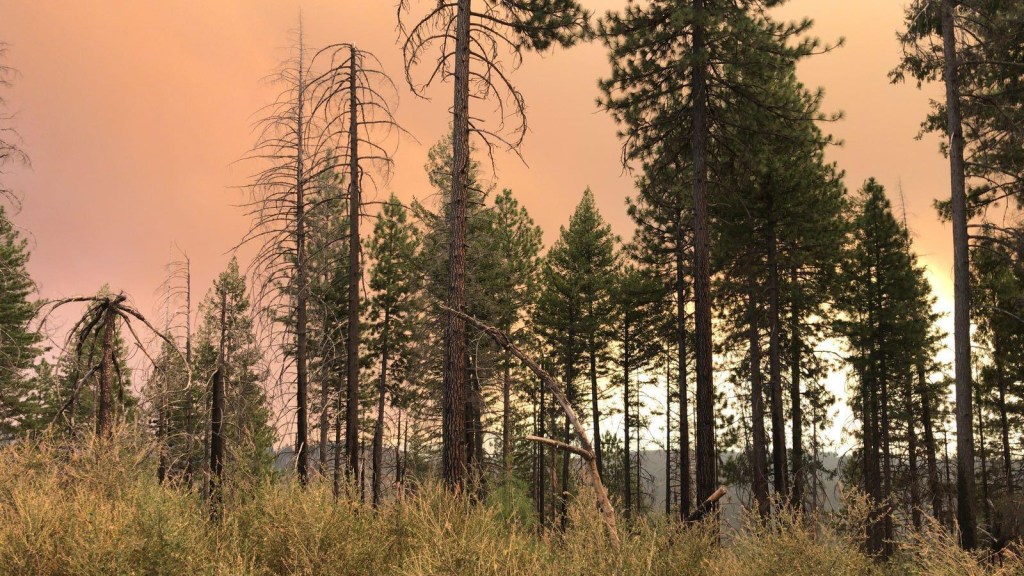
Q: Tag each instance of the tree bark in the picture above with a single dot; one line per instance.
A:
(301, 432)
(965, 484)
(779, 456)
(707, 460)
(796, 397)
(354, 275)
(668, 439)
(758, 461)
(1004, 424)
(506, 417)
(915, 486)
(886, 467)
(378, 427)
(931, 450)
(217, 419)
(542, 487)
(684, 420)
(454, 385)
(103, 397)
(594, 407)
(627, 461)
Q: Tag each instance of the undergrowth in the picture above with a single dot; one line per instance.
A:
(97, 509)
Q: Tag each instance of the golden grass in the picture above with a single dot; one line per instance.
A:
(96, 509)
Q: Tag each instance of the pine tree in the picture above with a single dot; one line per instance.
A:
(19, 341)
(394, 283)
(573, 310)
(680, 118)
(887, 324)
(973, 47)
(248, 435)
(636, 297)
(516, 245)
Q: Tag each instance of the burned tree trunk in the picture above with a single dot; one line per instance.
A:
(103, 397)
(758, 461)
(707, 459)
(354, 270)
(378, 427)
(217, 420)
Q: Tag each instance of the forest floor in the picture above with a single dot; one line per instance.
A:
(97, 509)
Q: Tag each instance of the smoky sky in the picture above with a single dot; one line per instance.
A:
(135, 114)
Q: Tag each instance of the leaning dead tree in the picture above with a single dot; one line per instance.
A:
(332, 117)
(585, 450)
(10, 141)
(475, 44)
(99, 323)
(166, 395)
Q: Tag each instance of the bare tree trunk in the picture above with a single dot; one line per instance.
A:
(506, 417)
(378, 428)
(915, 486)
(190, 407)
(324, 426)
(668, 439)
(398, 447)
(542, 486)
(983, 456)
(217, 418)
(758, 460)
(627, 480)
(338, 465)
(796, 397)
(595, 409)
(886, 467)
(779, 456)
(161, 470)
(707, 459)
(1004, 422)
(931, 450)
(354, 276)
(684, 424)
(965, 486)
(103, 399)
(454, 392)
(301, 417)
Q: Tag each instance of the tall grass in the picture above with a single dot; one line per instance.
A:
(96, 508)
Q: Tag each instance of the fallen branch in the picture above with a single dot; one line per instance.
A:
(560, 446)
(552, 385)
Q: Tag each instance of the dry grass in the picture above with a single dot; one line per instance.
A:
(97, 509)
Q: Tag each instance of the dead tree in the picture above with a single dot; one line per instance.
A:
(10, 141)
(469, 38)
(334, 103)
(358, 100)
(176, 299)
(99, 323)
(585, 450)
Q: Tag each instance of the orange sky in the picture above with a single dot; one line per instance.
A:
(133, 113)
